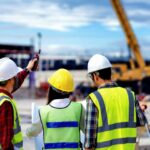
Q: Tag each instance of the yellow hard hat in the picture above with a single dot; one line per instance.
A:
(62, 80)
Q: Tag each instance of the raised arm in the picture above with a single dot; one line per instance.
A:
(23, 74)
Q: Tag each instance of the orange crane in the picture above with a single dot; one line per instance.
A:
(135, 72)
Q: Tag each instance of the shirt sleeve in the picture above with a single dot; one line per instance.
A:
(34, 129)
(82, 115)
(36, 126)
(20, 79)
(91, 124)
(6, 126)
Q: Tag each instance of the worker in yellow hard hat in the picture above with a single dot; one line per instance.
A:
(110, 121)
(11, 78)
(61, 119)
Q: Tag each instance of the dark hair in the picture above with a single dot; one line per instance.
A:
(53, 94)
(105, 74)
(3, 83)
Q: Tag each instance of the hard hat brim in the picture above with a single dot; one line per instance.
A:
(19, 69)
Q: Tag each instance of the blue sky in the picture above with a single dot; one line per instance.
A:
(80, 27)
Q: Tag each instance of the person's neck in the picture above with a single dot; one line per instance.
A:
(103, 82)
(6, 88)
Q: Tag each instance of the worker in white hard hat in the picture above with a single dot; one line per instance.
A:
(61, 119)
(110, 121)
(11, 78)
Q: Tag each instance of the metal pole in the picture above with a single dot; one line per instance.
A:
(40, 41)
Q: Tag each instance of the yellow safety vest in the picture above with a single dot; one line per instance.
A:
(17, 140)
(61, 126)
(116, 118)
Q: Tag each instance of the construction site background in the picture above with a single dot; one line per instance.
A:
(25, 97)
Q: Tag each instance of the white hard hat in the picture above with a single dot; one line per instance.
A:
(98, 62)
(8, 69)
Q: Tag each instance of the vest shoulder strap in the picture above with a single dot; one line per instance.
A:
(4, 98)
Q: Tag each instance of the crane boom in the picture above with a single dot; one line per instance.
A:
(131, 38)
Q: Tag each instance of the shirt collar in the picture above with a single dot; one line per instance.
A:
(109, 84)
(6, 92)
(60, 103)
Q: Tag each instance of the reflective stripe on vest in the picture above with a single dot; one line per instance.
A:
(106, 127)
(61, 145)
(18, 135)
(116, 141)
(61, 126)
(17, 140)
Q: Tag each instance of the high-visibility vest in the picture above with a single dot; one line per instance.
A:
(17, 139)
(116, 118)
(61, 126)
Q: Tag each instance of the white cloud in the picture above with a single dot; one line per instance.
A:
(137, 1)
(55, 16)
(49, 15)
(111, 23)
(140, 12)
(65, 49)
(82, 51)
(140, 21)
(61, 16)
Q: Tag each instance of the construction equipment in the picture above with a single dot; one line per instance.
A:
(138, 69)
(137, 72)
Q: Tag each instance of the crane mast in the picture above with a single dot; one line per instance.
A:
(130, 37)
